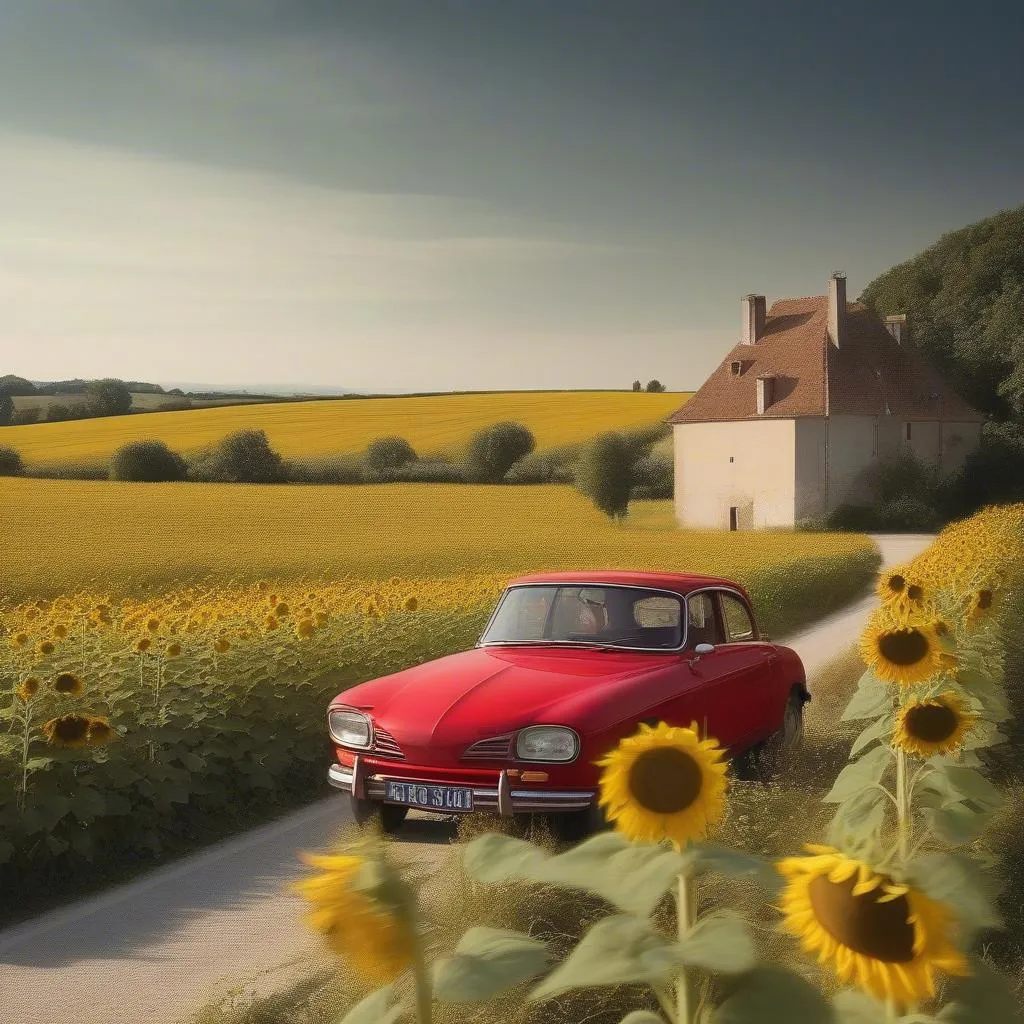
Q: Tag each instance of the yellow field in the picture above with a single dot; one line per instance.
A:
(60, 535)
(432, 424)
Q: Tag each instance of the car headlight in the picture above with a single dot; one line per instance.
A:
(350, 729)
(547, 743)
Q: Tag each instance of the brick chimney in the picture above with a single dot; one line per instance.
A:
(754, 314)
(837, 308)
(898, 327)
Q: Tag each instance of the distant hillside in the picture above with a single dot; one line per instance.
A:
(17, 385)
(964, 299)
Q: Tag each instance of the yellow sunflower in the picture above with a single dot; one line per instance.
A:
(900, 650)
(68, 684)
(411, 603)
(664, 782)
(375, 937)
(222, 645)
(19, 639)
(28, 688)
(935, 726)
(172, 651)
(68, 731)
(304, 629)
(886, 938)
(281, 609)
(980, 606)
(270, 622)
(46, 648)
(143, 645)
(60, 631)
(100, 731)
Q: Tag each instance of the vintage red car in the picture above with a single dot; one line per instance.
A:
(569, 664)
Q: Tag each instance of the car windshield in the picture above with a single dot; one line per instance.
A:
(617, 616)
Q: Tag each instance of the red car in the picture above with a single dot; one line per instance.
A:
(569, 664)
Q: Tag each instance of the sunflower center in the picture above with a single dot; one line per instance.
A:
(70, 729)
(914, 592)
(665, 780)
(877, 930)
(984, 598)
(932, 723)
(906, 647)
(897, 583)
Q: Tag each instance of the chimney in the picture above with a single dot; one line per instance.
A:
(898, 327)
(753, 318)
(837, 308)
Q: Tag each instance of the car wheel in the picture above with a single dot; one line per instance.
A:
(391, 815)
(575, 826)
(777, 753)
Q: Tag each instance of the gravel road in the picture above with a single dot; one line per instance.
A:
(154, 950)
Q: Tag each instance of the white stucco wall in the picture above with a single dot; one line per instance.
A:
(759, 482)
(810, 468)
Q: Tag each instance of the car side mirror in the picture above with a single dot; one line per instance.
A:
(700, 650)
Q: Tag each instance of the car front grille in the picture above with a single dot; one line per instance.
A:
(496, 748)
(385, 745)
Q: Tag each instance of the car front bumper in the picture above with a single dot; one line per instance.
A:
(368, 784)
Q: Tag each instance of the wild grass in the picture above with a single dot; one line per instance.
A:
(434, 425)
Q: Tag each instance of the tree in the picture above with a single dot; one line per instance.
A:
(654, 385)
(494, 450)
(109, 397)
(384, 453)
(605, 474)
(22, 417)
(6, 409)
(637, 386)
(10, 462)
(245, 457)
(149, 461)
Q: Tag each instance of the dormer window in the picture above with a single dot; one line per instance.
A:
(737, 367)
(765, 393)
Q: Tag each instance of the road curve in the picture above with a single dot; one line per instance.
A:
(154, 950)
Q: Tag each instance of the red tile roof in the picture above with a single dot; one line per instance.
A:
(869, 374)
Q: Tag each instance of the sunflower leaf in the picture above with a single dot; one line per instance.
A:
(863, 773)
(488, 962)
(982, 998)
(871, 699)
(855, 1007)
(875, 731)
(719, 942)
(642, 1017)
(956, 881)
(772, 995)
(619, 950)
(493, 857)
(971, 785)
(380, 1007)
(737, 864)
(956, 824)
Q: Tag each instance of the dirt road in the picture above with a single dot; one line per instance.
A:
(153, 951)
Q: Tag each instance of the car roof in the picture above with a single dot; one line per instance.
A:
(678, 582)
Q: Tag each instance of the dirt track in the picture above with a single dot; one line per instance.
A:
(155, 950)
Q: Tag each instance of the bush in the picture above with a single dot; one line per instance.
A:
(992, 473)
(69, 471)
(853, 518)
(57, 412)
(109, 397)
(436, 471)
(244, 457)
(908, 515)
(6, 409)
(653, 478)
(340, 469)
(10, 462)
(22, 417)
(386, 453)
(605, 474)
(174, 405)
(552, 466)
(148, 461)
(494, 450)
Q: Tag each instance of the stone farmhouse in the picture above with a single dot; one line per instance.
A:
(789, 426)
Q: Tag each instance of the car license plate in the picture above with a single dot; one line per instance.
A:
(430, 798)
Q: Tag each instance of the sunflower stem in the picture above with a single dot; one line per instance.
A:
(665, 1002)
(424, 997)
(902, 808)
(684, 907)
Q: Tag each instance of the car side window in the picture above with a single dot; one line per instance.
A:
(738, 623)
(702, 624)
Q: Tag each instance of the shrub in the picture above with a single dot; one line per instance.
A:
(494, 450)
(908, 514)
(992, 473)
(174, 405)
(340, 469)
(386, 453)
(435, 471)
(654, 386)
(852, 518)
(552, 466)
(57, 412)
(22, 417)
(6, 409)
(653, 478)
(605, 474)
(69, 471)
(10, 462)
(149, 461)
(244, 457)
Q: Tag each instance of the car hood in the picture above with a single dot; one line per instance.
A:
(490, 691)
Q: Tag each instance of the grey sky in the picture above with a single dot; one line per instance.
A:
(471, 193)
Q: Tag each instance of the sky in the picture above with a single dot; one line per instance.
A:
(402, 195)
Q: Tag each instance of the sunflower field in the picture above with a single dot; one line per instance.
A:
(890, 911)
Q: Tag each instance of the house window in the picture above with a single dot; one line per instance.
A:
(908, 432)
(734, 517)
(737, 367)
(730, 458)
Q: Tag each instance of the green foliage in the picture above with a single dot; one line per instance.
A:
(488, 962)
(6, 408)
(380, 1007)
(109, 397)
(653, 478)
(637, 386)
(24, 417)
(655, 386)
(771, 995)
(150, 461)
(10, 462)
(384, 453)
(605, 474)
(493, 451)
(242, 457)
(18, 386)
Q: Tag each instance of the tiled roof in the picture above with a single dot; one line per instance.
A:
(870, 374)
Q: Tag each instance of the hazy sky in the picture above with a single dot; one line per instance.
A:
(462, 194)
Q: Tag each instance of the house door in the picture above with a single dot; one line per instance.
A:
(734, 517)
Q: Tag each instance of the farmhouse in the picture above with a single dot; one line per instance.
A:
(815, 394)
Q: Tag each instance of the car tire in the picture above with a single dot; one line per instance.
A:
(575, 826)
(774, 755)
(391, 816)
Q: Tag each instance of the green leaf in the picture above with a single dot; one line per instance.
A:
(36, 764)
(871, 699)
(87, 802)
(956, 881)
(972, 785)
(493, 857)
(860, 775)
(855, 1007)
(983, 998)
(771, 995)
(719, 942)
(378, 1007)
(6, 851)
(737, 864)
(642, 1017)
(956, 824)
(619, 950)
(55, 844)
(488, 962)
(875, 731)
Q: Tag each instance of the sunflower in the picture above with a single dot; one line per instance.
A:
(46, 648)
(891, 584)
(100, 731)
(411, 603)
(281, 609)
(68, 731)
(980, 606)
(375, 935)
(19, 639)
(664, 782)
(143, 645)
(902, 651)
(935, 726)
(884, 937)
(28, 688)
(321, 619)
(153, 625)
(173, 651)
(270, 622)
(69, 684)
(60, 631)
(222, 645)
(305, 629)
